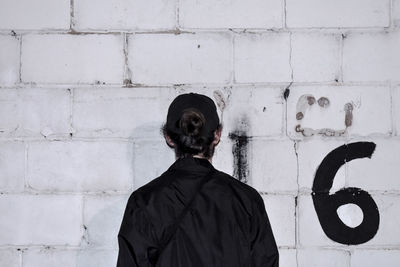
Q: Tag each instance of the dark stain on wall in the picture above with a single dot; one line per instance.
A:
(240, 155)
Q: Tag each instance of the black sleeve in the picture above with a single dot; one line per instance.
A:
(136, 238)
(264, 252)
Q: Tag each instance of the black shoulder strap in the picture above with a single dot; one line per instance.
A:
(175, 225)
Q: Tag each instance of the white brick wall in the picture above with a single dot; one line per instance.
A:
(28, 113)
(231, 14)
(337, 13)
(88, 166)
(124, 15)
(262, 58)
(34, 15)
(361, 62)
(41, 220)
(9, 59)
(201, 58)
(84, 90)
(72, 58)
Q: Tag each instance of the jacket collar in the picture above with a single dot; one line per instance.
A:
(192, 164)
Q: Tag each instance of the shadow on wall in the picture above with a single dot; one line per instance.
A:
(102, 220)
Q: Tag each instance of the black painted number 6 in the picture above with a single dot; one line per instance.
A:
(326, 205)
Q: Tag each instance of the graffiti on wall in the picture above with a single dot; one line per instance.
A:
(326, 204)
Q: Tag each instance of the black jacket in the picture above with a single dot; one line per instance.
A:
(226, 225)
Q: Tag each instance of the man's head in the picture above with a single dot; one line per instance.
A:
(192, 126)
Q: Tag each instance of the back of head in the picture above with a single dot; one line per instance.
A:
(191, 122)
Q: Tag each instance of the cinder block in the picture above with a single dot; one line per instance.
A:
(102, 217)
(12, 166)
(151, 159)
(80, 166)
(325, 110)
(311, 233)
(371, 56)
(34, 15)
(315, 57)
(120, 112)
(98, 258)
(322, 257)
(254, 111)
(310, 155)
(69, 258)
(9, 58)
(396, 110)
(282, 220)
(273, 166)
(396, 13)
(337, 13)
(183, 58)
(262, 58)
(230, 14)
(375, 257)
(287, 257)
(10, 258)
(126, 15)
(37, 220)
(35, 112)
(63, 58)
(380, 172)
(50, 257)
(223, 156)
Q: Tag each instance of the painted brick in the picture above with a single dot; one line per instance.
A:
(10, 258)
(266, 155)
(87, 166)
(151, 159)
(37, 220)
(361, 62)
(287, 257)
(68, 258)
(310, 155)
(396, 13)
(35, 112)
(9, 58)
(127, 15)
(337, 13)
(120, 112)
(102, 216)
(63, 58)
(98, 258)
(282, 221)
(322, 257)
(34, 15)
(12, 164)
(381, 171)
(183, 58)
(371, 258)
(315, 57)
(396, 109)
(262, 58)
(223, 156)
(254, 111)
(230, 14)
(311, 233)
(371, 110)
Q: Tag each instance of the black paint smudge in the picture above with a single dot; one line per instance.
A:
(326, 205)
(240, 152)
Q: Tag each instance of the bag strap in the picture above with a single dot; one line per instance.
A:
(174, 227)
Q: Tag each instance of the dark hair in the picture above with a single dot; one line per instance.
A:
(192, 140)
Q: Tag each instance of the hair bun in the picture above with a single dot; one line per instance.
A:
(192, 122)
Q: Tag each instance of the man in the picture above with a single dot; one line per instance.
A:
(194, 215)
